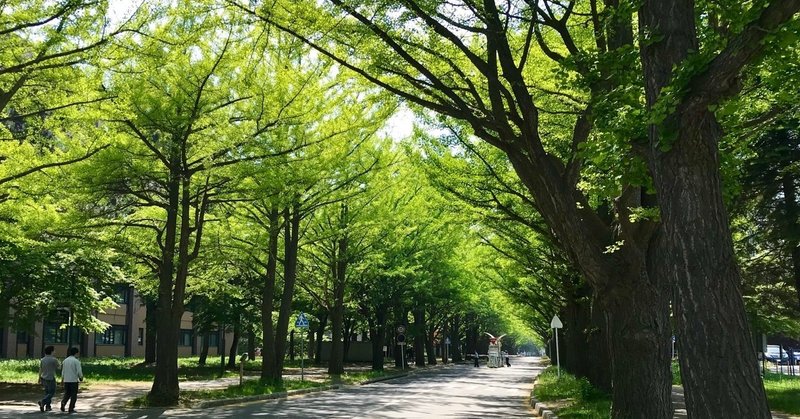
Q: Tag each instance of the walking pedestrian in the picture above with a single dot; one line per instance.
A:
(71, 375)
(47, 377)
(476, 357)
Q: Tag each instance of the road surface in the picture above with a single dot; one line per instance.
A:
(455, 391)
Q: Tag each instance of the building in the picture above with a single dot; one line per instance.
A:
(124, 338)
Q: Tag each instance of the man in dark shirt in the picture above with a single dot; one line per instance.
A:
(47, 377)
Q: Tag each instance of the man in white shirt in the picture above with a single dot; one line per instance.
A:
(47, 377)
(71, 374)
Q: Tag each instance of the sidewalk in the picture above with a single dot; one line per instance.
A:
(112, 395)
(680, 406)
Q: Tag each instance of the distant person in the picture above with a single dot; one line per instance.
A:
(71, 375)
(476, 357)
(508, 362)
(47, 378)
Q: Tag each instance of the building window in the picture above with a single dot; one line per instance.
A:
(121, 294)
(213, 339)
(140, 339)
(54, 333)
(185, 338)
(114, 335)
(22, 338)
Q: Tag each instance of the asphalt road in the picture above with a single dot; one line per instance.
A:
(456, 391)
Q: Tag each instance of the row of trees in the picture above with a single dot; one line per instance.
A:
(611, 114)
(223, 167)
(604, 154)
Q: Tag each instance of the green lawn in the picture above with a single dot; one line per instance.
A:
(574, 397)
(113, 369)
(783, 393)
(580, 400)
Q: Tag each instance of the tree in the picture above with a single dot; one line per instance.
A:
(621, 259)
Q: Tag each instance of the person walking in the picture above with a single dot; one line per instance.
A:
(71, 375)
(476, 357)
(47, 377)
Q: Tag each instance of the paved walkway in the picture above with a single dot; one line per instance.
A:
(680, 406)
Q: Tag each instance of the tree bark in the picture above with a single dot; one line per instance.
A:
(684, 161)
(204, 349)
(339, 272)
(237, 331)
(291, 244)
(419, 336)
(150, 332)
(323, 321)
(377, 336)
(269, 369)
(455, 339)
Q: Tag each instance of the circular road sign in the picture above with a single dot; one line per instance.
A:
(401, 329)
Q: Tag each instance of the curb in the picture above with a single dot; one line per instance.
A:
(541, 409)
(385, 378)
(281, 395)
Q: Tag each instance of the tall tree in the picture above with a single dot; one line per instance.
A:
(427, 69)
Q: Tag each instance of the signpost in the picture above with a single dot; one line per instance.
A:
(302, 323)
(556, 324)
(401, 340)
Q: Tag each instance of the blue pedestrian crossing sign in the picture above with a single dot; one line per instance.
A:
(301, 321)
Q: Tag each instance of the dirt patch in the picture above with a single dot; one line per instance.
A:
(20, 393)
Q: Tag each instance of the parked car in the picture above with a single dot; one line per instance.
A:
(776, 355)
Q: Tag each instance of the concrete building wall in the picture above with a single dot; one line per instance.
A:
(128, 319)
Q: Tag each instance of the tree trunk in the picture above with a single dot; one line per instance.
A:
(150, 332)
(269, 370)
(323, 321)
(419, 337)
(237, 331)
(204, 349)
(430, 348)
(684, 161)
(291, 244)
(792, 229)
(455, 339)
(339, 272)
(377, 336)
(251, 342)
(164, 391)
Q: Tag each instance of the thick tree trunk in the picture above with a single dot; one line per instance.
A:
(150, 332)
(291, 244)
(792, 229)
(237, 331)
(339, 272)
(430, 349)
(269, 371)
(377, 336)
(164, 391)
(638, 323)
(419, 337)
(455, 339)
(708, 306)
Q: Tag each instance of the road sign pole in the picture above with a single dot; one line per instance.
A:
(302, 358)
(558, 360)
(402, 358)
(556, 324)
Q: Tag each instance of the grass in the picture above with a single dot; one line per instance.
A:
(248, 388)
(114, 369)
(783, 393)
(573, 397)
